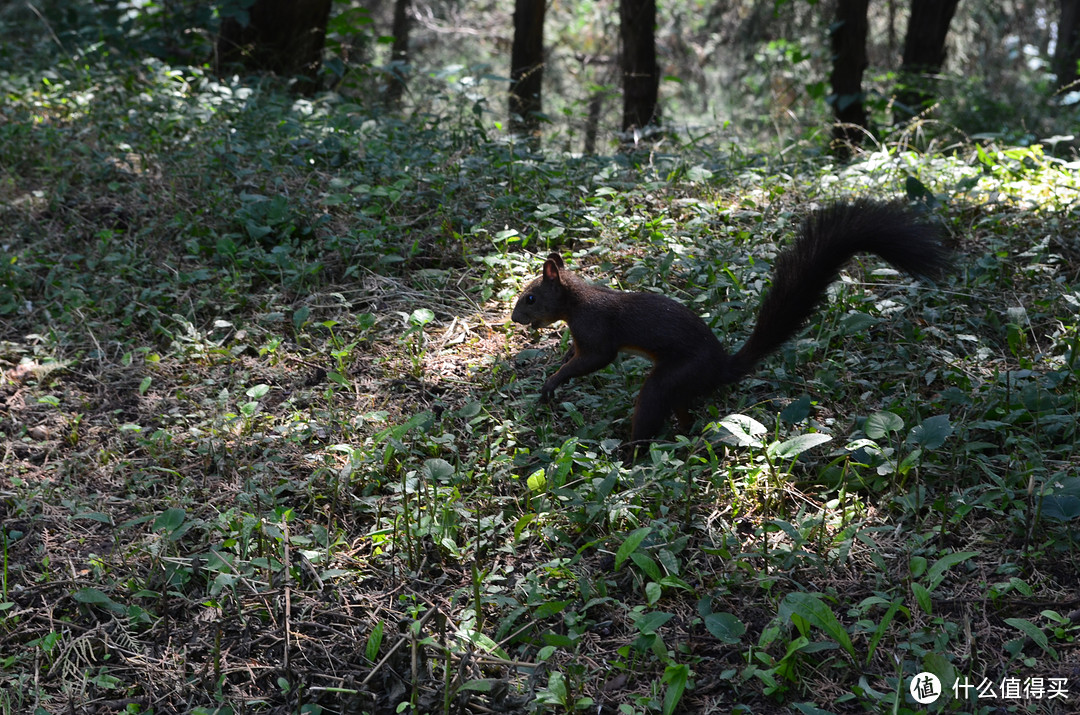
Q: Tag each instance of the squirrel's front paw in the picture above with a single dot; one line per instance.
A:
(547, 392)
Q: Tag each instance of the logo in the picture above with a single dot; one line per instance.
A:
(925, 688)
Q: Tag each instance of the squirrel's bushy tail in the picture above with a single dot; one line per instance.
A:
(828, 239)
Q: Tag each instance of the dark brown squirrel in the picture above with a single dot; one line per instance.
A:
(689, 363)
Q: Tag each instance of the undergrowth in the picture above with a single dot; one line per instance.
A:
(270, 445)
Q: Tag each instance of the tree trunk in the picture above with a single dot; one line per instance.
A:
(399, 53)
(1067, 52)
(285, 37)
(849, 63)
(924, 54)
(527, 68)
(641, 76)
(592, 121)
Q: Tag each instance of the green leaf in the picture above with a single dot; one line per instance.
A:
(374, 642)
(745, 431)
(421, 316)
(549, 609)
(917, 191)
(94, 516)
(882, 627)
(789, 449)
(816, 612)
(936, 574)
(94, 597)
(1064, 503)
(797, 411)
(644, 562)
(523, 521)
(537, 481)
(438, 469)
(300, 316)
(725, 626)
(170, 520)
(922, 597)
(556, 692)
(880, 424)
(1061, 507)
(652, 621)
(676, 676)
(1033, 632)
(932, 432)
(857, 323)
(630, 545)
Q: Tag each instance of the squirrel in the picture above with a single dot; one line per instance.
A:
(689, 362)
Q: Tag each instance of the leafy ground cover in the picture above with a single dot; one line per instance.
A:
(269, 444)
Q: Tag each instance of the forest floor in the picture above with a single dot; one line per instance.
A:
(270, 443)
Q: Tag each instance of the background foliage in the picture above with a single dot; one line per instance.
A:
(269, 445)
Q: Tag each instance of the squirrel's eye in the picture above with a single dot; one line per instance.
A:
(530, 299)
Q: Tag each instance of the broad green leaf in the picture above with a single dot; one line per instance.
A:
(746, 431)
(880, 424)
(421, 316)
(676, 676)
(438, 469)
(795, 446)
(882, 627)
(374, 642)
(797, 411)
(94, 597)
(1064, 503)
(857, 323)
(644, 562)
(922, 597)
(523, 522)
(481, 685)
(1033, 632)
(652, 621)
(725, 626)
(549, 608)
(170, 520)
(816, 612)
(932, 432)
(537, 481)
(936, 574)
(630, 545)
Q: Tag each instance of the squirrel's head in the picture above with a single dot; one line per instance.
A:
(540, 304)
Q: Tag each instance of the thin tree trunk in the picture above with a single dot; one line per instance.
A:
(849, 63)
(1067, 52)
(399, 53)
(924, 55)
(592, 120)
(641, 76)
(527, 67)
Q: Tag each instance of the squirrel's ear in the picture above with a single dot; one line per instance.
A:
(551, 267)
